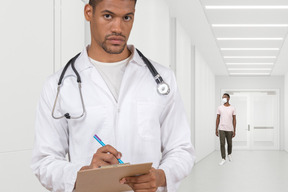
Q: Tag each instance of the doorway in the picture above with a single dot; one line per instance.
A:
(257, 114)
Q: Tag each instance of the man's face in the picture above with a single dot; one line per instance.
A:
(227, 98)
(111, 24)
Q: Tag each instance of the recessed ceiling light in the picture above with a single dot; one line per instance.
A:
(249, 69)
(249, 63)
(249, 39)
(249, 25)
(249, 73)
(247, 7)
(250, 57)
(250, 49)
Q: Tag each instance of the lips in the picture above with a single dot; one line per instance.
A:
(116, 40)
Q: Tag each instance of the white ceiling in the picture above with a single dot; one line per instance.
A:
(242, 56)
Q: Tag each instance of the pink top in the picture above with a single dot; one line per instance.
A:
(226, 117)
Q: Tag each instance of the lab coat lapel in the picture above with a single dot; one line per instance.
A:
(84, 63)
(99, 82)
(133, 78)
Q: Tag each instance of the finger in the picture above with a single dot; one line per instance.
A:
(98, 163)
(109, 158)
(109, 149)
(106, 157)
(139, 179)
(141, 186)
(145, 190)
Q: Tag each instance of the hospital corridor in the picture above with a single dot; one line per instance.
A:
(214, 49)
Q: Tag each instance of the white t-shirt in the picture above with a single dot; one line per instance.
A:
(112, 74)
(226, 117)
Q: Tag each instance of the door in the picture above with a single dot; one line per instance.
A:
(241, 102)
(264, 127)
(257, 126)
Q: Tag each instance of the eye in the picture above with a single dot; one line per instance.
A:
(127, 18)
(107, 16)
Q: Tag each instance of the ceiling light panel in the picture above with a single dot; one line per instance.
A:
(246, 7)
(249, 18)
(250, 44)
(250, 64)
(249, 57)
(249, 60)
(260, 32)
(267, 72)
(250, 39)
(249, 69)
(250, 49)
(245, 2)
(249, 74)
(251, 25)
(250, 54)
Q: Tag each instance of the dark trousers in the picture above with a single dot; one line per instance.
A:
(228, 135)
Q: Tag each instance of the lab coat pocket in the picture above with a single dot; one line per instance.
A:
(94, 120)
(148, 120)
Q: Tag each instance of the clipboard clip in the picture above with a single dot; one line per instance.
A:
(113, 166)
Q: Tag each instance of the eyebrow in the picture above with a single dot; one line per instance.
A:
(110, 12)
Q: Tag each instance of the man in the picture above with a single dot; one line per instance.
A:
(226, 118)
(122, 107)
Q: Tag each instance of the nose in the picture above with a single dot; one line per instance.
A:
(117, 26)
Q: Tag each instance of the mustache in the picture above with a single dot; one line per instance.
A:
(115, 34)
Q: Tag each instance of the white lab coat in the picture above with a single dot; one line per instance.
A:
(143, 125)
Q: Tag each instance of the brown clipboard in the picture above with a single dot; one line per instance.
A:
(107, 179)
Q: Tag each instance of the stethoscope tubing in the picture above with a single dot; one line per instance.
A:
(151, 68)
(162, 88)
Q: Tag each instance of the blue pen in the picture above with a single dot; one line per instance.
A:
(101, 142)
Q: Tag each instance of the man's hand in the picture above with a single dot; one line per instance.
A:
(106, 155)
(233, 134)
(217, 134)
(146, 183)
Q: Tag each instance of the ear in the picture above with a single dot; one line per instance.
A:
(88, 12)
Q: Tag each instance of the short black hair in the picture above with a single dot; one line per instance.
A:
(93, 3)
(227, 95)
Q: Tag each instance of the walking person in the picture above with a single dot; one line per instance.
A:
(226, 126)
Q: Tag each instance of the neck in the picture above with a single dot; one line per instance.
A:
(99, 54)
(227, 104)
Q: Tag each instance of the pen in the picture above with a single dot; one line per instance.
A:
(101, 142)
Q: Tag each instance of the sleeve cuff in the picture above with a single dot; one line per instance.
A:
(72, 177)
(170, 185)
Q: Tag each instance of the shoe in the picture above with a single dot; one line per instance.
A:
(222, 162)
(230, 157)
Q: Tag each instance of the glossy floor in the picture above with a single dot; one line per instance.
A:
(250, 171)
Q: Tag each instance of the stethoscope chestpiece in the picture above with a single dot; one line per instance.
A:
(163, 88)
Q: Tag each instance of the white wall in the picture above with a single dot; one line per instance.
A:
(150, 33)
(204, 108)
(26, 59)
(273, 82)
(286, 111)
(183, 67)
(33, 39)
(69, 31)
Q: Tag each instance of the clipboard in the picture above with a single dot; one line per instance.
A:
(106, 179)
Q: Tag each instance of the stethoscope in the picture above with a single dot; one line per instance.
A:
(162, 87)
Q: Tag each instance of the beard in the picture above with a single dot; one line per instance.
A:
(113, 49)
